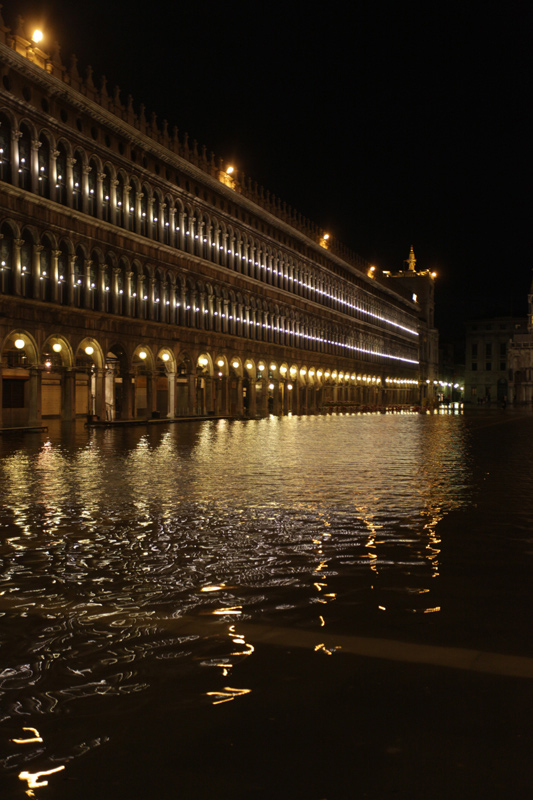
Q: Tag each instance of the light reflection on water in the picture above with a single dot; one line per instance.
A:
(127, 554)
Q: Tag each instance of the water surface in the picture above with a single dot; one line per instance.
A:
(141, 570)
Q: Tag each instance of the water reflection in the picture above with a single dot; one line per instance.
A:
(130, 556)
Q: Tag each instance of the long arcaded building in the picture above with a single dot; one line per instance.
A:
(140, 277)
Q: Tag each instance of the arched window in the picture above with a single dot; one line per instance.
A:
(166, 222)
(5, 149)
(63, 276)
(94, 286)
(79, 278)
(133, 201)
(119, 208)
(145, 287)
(91, 197)
(47, 267)
(43, 161)
(156, 215)
(135, 300)
(26, 264)
(61, 175)
(108, 286)
(106, 195)
(6, 260)
(122, 286)
(159, 297)
(77, 181)
(143, 223)
(25, 158)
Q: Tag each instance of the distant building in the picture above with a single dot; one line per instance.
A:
(521, 361)
(487, 358)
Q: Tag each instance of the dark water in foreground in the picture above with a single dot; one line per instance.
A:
(299, 607)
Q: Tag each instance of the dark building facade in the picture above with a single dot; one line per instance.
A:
(487, 358)
(141, 277)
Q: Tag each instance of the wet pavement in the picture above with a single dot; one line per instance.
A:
(330, 607)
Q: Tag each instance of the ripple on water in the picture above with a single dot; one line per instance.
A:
(107, 545)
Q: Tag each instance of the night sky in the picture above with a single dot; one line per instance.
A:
(389, 125)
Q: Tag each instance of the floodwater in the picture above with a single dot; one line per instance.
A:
(316, 607)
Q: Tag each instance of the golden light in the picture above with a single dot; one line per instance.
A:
(143, 354)
(327, 373)
(89, 350)
(326, 236)
(283, 370)
(249, 365)
(271, 386)
(235, 364)
(289, 386)
(230, 170)
(319, 373)
(433, 274)
(220, 362)
(273, 368)
(165, 356)
(202, 361)
(303, 371)
(19, 344)
(33, 778)
(37, 36)
(56, 347)
(261, 367)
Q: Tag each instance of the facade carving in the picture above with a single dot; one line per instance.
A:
(139, 277)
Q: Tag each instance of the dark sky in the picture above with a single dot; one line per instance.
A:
(389, 124)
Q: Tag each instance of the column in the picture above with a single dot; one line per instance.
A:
(34, 396)
(127, 396)
(240, 405)
(68, 394)
(70, 276)
(126, 208)
(191, 394)
(171, 394)
(113, 201)
(99, 395)
(172, 226)
(252, 398)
